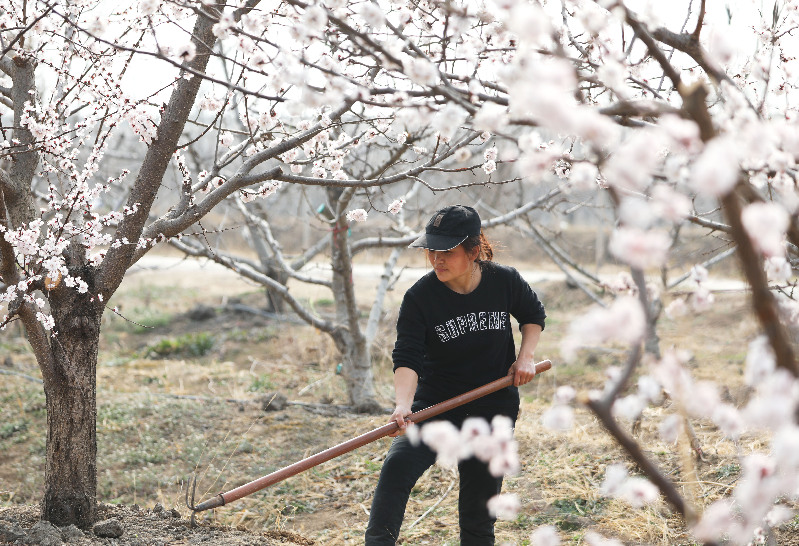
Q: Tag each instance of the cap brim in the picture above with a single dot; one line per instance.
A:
(437, 242)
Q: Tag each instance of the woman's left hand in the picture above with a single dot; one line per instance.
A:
(523, 371)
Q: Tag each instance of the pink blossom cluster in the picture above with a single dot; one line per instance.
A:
(633, 489)
(699, 300)
(492, 444)
(623, 321)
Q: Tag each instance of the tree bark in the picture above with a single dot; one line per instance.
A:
(71, 393)
(349, 339)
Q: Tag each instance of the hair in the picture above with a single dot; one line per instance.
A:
(479, 241)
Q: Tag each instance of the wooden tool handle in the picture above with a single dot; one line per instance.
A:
(363, 439)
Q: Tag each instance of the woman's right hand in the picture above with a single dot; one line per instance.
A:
(401, 412)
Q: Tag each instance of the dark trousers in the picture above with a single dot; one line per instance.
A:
(404, 465)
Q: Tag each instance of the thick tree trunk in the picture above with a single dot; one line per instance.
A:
(71, 468)
(357, 371)
(359, 377)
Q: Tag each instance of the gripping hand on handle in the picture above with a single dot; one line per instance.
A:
(523, 370)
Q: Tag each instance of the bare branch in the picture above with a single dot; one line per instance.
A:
(651, 46)
(22, 32)
(382, 288)
(763, 301)
(248, 273)
(639, 108)
(266, 230)
(6, 65)
(704, 222)
(603, 412)
(700, 20)
(721, 256)
(152, 170)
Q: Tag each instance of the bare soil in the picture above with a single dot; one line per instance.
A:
(141, 527)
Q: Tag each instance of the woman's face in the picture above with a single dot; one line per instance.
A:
(452, 265)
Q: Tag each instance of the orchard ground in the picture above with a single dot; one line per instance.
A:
(185, 377)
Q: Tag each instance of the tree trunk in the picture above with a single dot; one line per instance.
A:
(71, 391)
(349, 338)
(357, 372)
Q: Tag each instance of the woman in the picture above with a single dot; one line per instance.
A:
(453, 335)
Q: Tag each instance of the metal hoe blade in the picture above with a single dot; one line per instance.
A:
(192, 483)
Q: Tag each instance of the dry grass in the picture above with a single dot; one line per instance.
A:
(150, 442)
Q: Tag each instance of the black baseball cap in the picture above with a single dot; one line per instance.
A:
(448, 228)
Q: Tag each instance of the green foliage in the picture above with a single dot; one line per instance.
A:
(261, 383)
(728, 470)
(568, 515)
(250, 335)
(193, 345)
(145, 320)
(8, 430)
(578, 506)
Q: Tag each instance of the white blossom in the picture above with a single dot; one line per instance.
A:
(778, 269)
(593, 18)
(315, 18)
(504, 506)
(46, 320)
(595, 539)
(564, 394)
(721, 47)
(356, 215)
(462, 155)
(546, 535)
(760, 361)
(702, 399)
(729, 420)
(615, 477)
(715, 173)
(628, 407)
(448, 120)
(613, 74)
(702, 299)
(766, 224)
(639, 492)
(649, 389)
(640, 248)
(669, 204)
(149, 7)
(779, 515)
(583, 176)
(444, 438)
(396, 205)
(632, 165)
(558, 418)
(372, 14)
(670, 428)
(682, 132)
(420, 70)
(490, 117)
(623, 321)
(226, 139)
(186, 52)
(717, 520)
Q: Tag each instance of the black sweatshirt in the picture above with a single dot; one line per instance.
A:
(458, 342)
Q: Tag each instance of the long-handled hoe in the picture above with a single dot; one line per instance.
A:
(345, 447)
